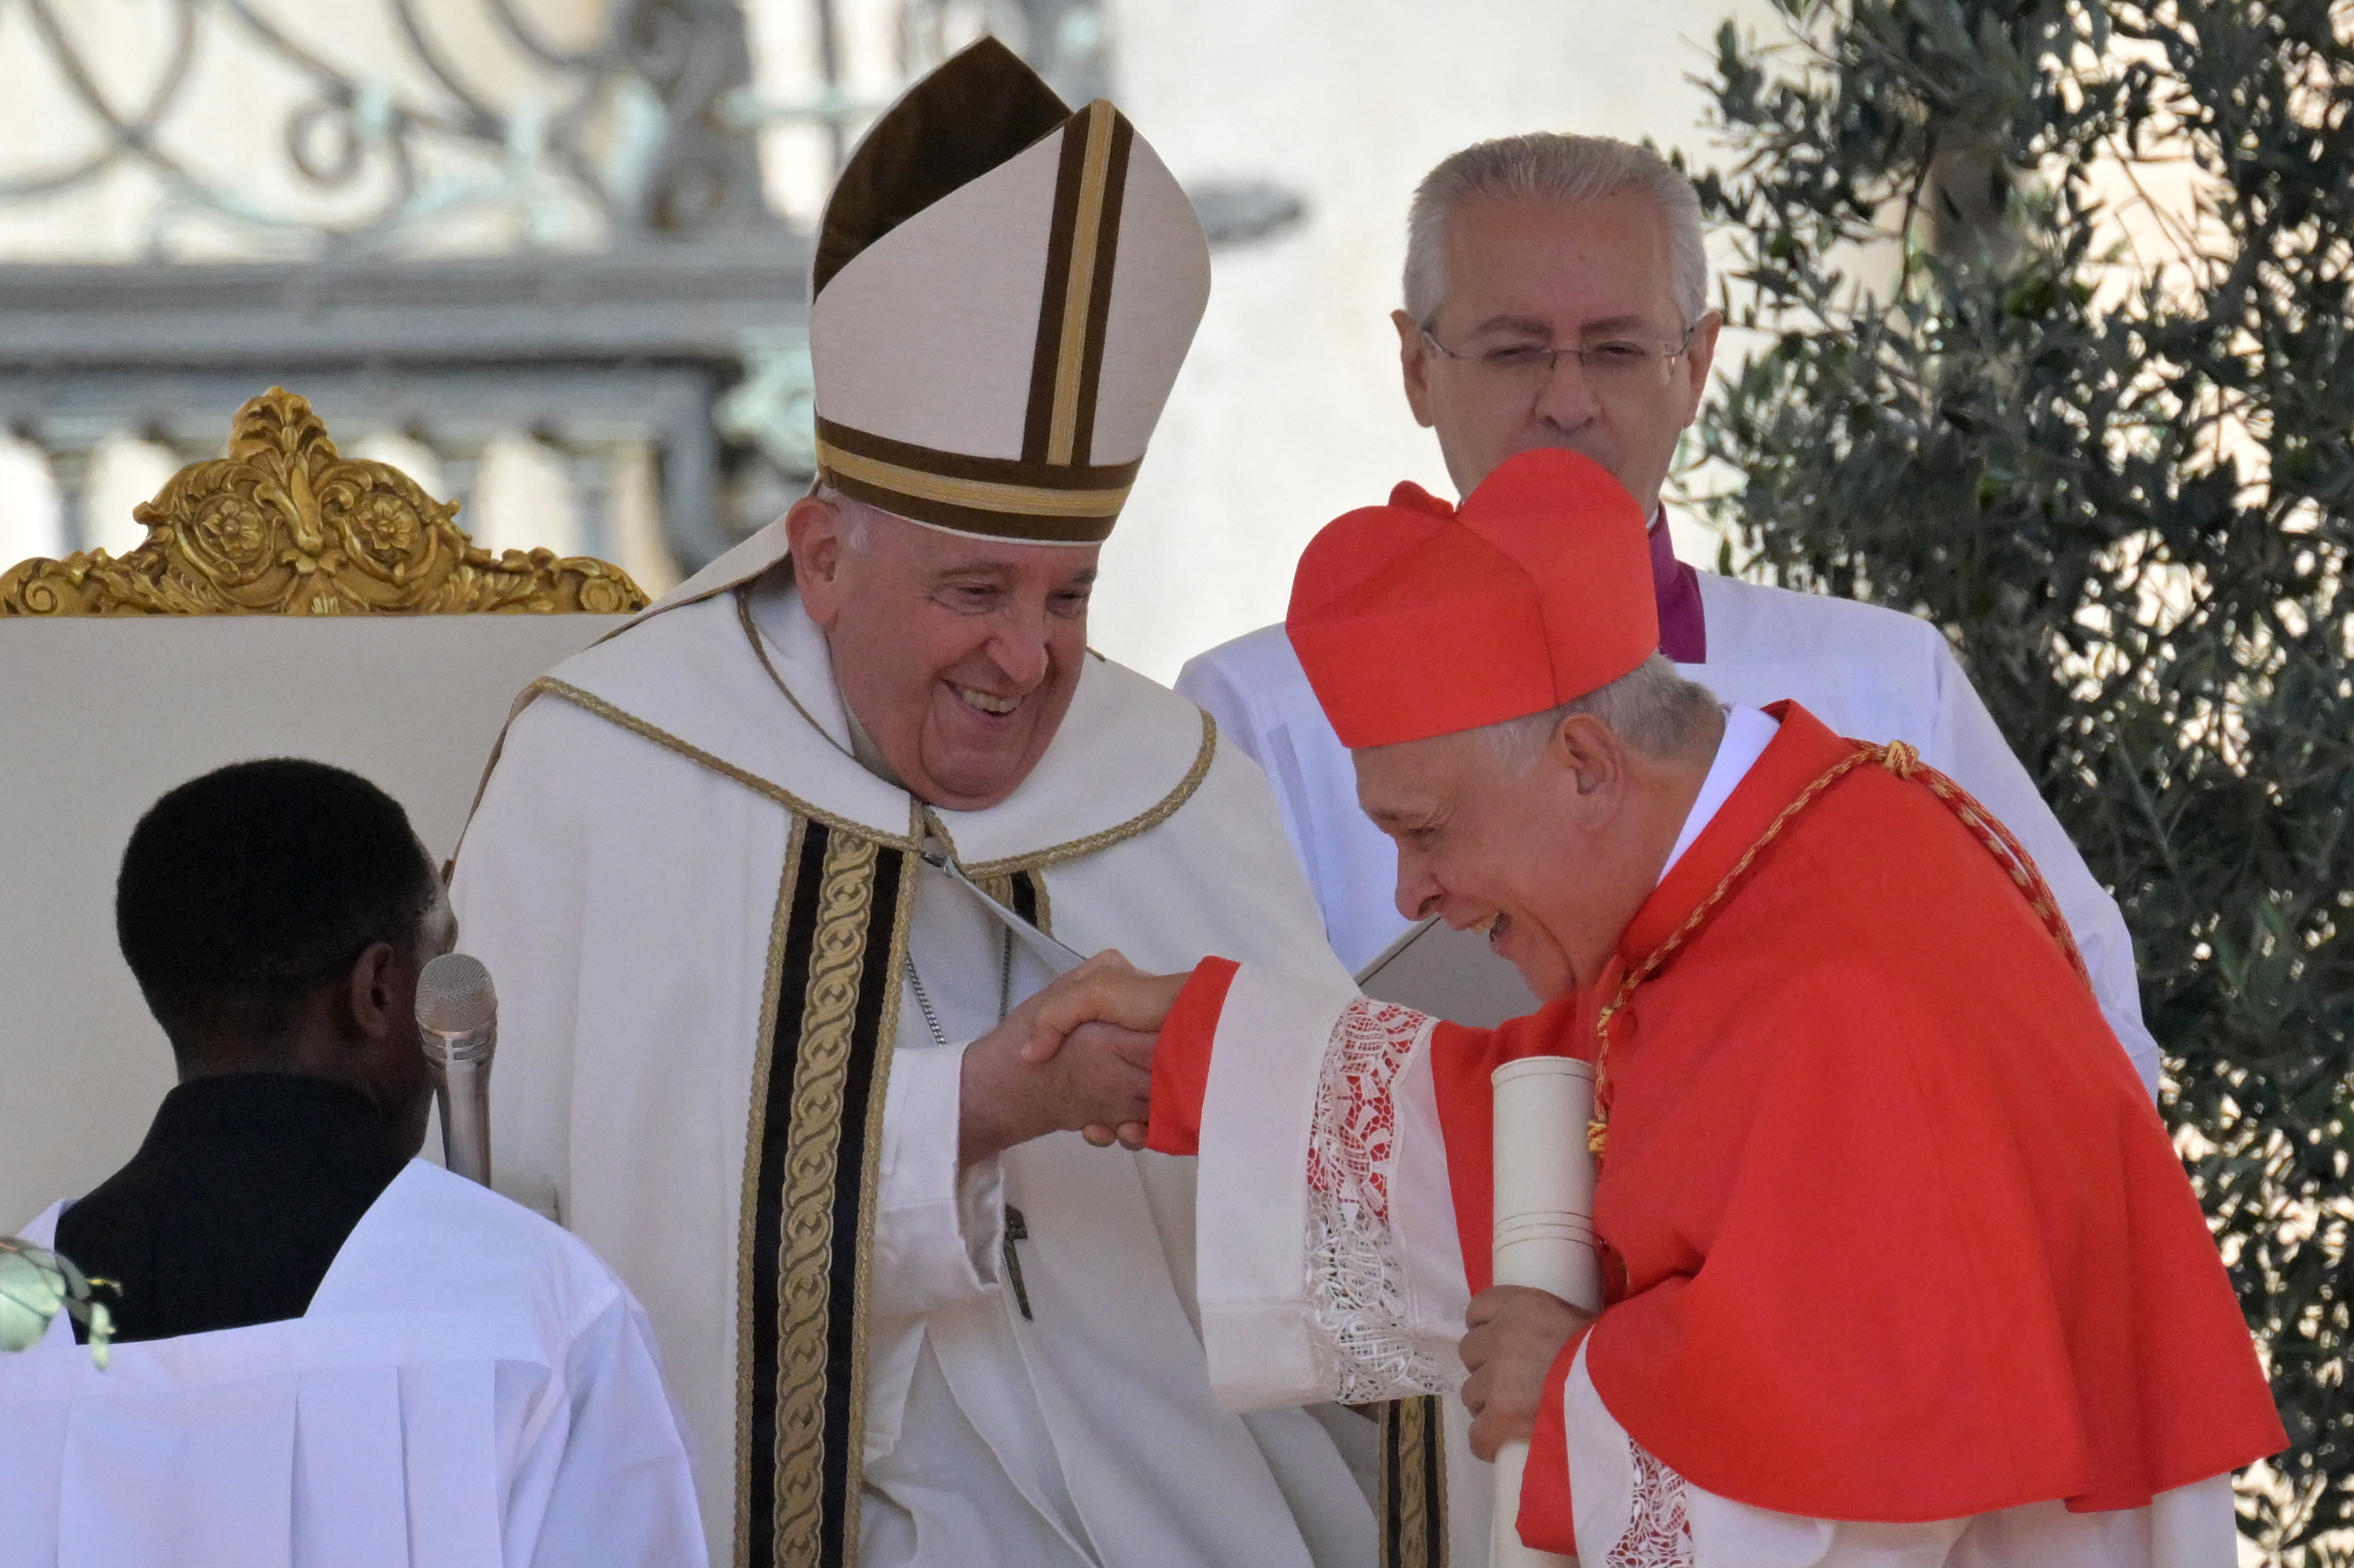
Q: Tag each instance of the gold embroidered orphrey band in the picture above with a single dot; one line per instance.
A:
(805, 1250)
(805, 1260)
(1412, 1501)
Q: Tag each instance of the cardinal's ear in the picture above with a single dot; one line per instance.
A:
(1590, 754)
(1413, 367)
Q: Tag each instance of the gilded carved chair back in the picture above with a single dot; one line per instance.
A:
(286, 525)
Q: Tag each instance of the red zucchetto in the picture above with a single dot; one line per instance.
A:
(1419, 618)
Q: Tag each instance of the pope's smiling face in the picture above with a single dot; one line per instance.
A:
(1551, 850)
(960, 656)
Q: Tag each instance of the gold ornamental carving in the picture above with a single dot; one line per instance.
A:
(286, 525)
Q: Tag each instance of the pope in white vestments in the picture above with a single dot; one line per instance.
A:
(744, 1016)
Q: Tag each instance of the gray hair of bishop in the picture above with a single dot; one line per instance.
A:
(1652, 708)
(1545, 165)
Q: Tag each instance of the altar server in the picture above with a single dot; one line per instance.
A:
(329, 1353)
(1899, 1262)
(761, 875)
(1556, 295)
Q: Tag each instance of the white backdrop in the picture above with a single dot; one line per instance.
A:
(1288, 411)
(98, 717)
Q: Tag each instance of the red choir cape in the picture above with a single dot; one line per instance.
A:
(1891, 1230)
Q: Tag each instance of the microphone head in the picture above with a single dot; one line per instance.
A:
(454, 995)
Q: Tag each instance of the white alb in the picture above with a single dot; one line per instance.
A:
(470, 1388)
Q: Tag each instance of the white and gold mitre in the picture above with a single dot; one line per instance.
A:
(1003, 293)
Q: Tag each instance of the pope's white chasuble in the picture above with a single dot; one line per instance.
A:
(732, 1005)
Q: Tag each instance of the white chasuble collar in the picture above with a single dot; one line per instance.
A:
(1128, 753)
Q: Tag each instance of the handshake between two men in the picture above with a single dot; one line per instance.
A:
(1077, 1057)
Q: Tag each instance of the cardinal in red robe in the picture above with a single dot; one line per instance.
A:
(1900, 1265)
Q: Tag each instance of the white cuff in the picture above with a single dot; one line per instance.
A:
(1251, 1193)
(938, 1229)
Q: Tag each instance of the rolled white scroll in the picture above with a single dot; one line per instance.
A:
(1544, 1232)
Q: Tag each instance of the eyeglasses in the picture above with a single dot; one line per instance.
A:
(1618, 364)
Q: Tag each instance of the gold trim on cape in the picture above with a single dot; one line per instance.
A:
(591, 703)
(1075, 849)
(1031, 859)
(927, 819)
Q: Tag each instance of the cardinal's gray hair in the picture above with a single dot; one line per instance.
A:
(1545, 165)
(1652, 707)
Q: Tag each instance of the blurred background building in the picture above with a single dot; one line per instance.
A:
(549, 255)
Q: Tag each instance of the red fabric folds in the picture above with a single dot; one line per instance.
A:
(1181, 1061)
(1546, 1522)
(1891, 1231)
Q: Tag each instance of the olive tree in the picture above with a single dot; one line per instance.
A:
(2048, 342)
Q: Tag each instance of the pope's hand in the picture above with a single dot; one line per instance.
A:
(1106, 990)
(1516, 1336)
(1100, 1079)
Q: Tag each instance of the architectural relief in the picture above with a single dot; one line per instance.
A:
(286, 525)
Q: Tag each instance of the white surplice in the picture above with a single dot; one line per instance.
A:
(622, 893)
(1633, 1511)
(470, 1388)
(1867, 671)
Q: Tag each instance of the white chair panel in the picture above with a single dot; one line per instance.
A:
(98, 717)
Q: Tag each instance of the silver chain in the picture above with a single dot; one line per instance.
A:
(1005, 991)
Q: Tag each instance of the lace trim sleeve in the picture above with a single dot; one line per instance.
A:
(1659, 1527)
(1362, 1330)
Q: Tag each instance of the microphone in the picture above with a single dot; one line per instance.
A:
(457, 1025)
